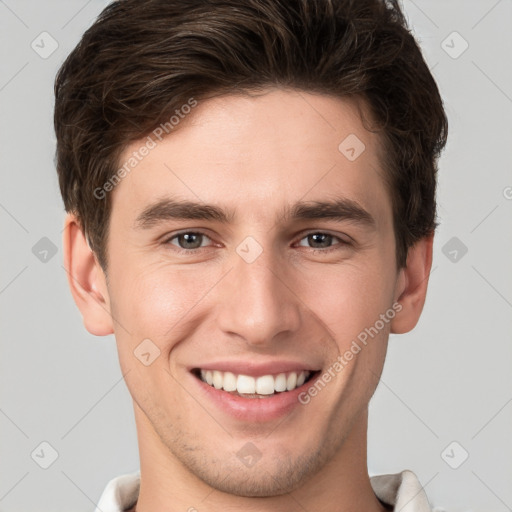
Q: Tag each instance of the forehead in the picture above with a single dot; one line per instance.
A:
(248, 152)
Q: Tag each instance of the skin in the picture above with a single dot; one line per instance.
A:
(255, 154)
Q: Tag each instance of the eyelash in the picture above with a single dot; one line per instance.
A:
(180, 250)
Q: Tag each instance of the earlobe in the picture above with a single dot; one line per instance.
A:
(412, 285)
(86, 280)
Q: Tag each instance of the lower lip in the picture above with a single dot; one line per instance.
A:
(254, 409)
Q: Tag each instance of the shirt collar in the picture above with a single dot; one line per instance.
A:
(401, 490)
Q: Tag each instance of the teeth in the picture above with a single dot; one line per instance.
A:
(218, 379)
(291, 381)
(265, 385)
(230, 381)
(247, 385)
(280, 382)
(300, 379)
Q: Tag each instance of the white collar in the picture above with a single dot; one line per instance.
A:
(401, 490)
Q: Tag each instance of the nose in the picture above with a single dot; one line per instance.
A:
(257, 300)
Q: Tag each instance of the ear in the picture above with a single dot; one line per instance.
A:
(412, 285)
(86, 280)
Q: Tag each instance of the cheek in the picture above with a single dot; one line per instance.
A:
(348, 299)
(157, 302)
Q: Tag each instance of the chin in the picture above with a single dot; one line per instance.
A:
(269, 476)
(254, 482)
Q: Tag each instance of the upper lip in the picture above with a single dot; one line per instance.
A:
(256, 369)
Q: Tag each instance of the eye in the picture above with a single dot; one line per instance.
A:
(188, 240)
(321, 240)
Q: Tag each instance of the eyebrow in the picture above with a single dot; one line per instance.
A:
(340, 209)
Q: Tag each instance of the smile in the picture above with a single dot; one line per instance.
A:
(254, 387)
(252, 392)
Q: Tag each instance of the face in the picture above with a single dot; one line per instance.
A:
(255, 288)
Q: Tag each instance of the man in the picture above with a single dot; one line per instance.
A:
(250, 189)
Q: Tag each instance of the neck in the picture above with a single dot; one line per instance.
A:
(167, 486)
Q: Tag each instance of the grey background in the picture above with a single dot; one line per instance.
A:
(449, 380)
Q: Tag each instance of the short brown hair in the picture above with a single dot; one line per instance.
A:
(143, 59)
